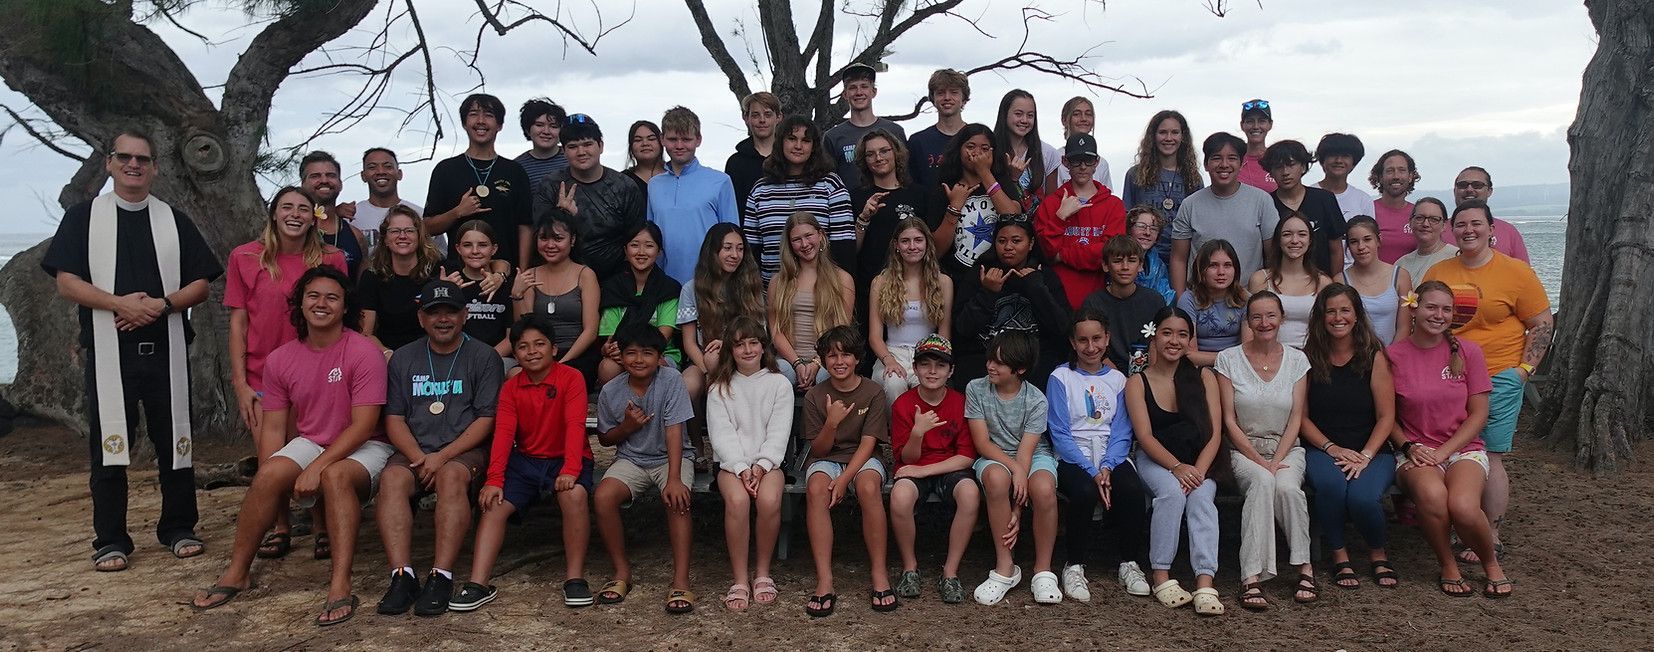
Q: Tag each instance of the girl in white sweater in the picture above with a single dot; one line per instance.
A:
(749, 417)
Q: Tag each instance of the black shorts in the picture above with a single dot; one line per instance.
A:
(940, 486)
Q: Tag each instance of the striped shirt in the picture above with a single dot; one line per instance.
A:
(538, 168)
(771, 203)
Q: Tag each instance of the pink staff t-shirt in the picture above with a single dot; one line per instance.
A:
(322, 385)
(248, 285)
(1432, 401)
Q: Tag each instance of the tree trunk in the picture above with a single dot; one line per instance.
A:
(122, 75)
(1599, 396)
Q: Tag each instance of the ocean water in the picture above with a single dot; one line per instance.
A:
(1544, 236)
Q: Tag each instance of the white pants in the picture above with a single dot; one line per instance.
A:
(1271, 499)
(895, 385)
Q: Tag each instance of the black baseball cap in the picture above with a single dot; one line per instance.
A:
(859, 70)
(1080, 146)
(441, 293)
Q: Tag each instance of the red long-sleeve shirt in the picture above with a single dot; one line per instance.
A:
(1080, 238)
(546, 420)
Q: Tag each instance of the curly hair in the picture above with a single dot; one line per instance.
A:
(898, 150)
(1147, 165)
(1364, 340)
(817, 166)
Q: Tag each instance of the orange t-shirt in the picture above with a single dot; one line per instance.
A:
(1507, 293)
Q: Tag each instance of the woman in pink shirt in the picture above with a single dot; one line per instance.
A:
(1442, 391)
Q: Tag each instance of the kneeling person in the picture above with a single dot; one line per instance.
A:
(643, 413)
(539, 444)
(933, 452)
(439, 410)
(330, 383)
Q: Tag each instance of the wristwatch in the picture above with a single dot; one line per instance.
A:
(167, 308)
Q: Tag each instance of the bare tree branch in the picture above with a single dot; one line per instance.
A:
(714, 45)
(270, 57)
(822, 36)
(568, 33)
(50, 141)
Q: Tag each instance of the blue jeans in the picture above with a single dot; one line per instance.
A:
(1338, 500)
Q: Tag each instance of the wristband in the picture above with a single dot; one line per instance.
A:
(167, 308)
(993, 188)
(1408, 447)
(1327, 446)
(956, 212)
(1526, 368)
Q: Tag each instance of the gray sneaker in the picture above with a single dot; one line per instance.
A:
(951, 590)
(908, 586)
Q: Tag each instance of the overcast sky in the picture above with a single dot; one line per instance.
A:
(1493, 83)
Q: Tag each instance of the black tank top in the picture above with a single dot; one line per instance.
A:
(1177, 433)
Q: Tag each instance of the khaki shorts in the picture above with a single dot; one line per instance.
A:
(639, 480)
(475, 461)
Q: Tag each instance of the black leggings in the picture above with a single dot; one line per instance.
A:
(1127, 514)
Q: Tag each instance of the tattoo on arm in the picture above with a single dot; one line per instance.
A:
(1538, 342)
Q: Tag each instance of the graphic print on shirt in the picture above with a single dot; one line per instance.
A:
(976, 230)
(1140, 350)
(425, 385)
(334, 375)
(1467, 298)
(1098, 402)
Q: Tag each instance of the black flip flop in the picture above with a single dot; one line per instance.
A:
(229, 593)
(875, 596)
(107, 553)
(184, 542)
(279, 544)
(825, 605)
(328, 607)
(324, 547)
(1491, 591)
(1443, 583)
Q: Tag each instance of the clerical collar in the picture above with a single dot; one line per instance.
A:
(131, 206)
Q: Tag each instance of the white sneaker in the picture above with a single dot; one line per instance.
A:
(1131, 577)
(1074, 583)
(1044, 586)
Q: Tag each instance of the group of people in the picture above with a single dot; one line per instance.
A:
(913, 290)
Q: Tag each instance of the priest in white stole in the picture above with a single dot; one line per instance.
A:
(135, 266)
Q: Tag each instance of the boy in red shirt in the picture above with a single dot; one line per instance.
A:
(539, 444)
(933, 453)
(1074, 222)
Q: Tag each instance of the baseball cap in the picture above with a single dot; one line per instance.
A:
(859, 70)
(1256, 106)
(934, 346)
(1080, 146)
(441, 293)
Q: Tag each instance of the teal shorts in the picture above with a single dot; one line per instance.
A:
(1042, 462)
(1503, 406)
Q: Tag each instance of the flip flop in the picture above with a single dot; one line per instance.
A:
(875, 597)
(825, 604)
(275, 545)
(324, 547)
(109, 553)
(185, 542)
(1491, 591)
(1444, 583)
(764, 591)
(614, 592)
(577, 593)
(229, 593)
(684, 600)
(351, 602)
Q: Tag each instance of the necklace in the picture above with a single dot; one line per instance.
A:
(482, 175)
(438, 406)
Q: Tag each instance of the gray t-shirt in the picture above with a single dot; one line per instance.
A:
(467, 382)
(1246, 219)
(689, 310)
(666, 400)
(840, 143)
(1008, 420)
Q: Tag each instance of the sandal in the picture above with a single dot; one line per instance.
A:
(275, 545)
(1344, 577)
(1457, 588)
(103, 560)
(1171, 594)
(1382, 570)
(680, 601)
(738, 598)
(614, 592)
(1306, 584)
(823, 605)
(764, 591)
(1207, 603)
(877, 600)
(329, 607)
(181, 548)
(229, 593)
(1252, 598)
(577, 593)
(324, 547)
(1492, 592)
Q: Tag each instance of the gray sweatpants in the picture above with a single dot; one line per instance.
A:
(1172, 508)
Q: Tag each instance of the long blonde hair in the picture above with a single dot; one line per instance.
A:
(426, 257)
(829, 295)
(892, 294)
(313, 249)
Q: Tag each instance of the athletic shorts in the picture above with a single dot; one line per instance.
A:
(1503, 406)
(835, 469)
(939, 486)
(528, 477)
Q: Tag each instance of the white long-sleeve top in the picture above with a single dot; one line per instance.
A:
(750, 425)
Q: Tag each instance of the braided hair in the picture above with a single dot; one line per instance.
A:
(1456, 362)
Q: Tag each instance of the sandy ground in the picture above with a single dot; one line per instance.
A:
(1574, 541)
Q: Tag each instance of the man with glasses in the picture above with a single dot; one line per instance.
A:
(606, 205)
(135, 266)
(1475, 183)
(382, 173)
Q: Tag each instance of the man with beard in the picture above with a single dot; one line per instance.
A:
(439, 410)
(482, 184)
(135, 266)
(382, 173)
(1476, 183)
(1394, 176)
(606, 205)
(319, 175)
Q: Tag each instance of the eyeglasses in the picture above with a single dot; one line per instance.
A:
(1082, 162)
(1254, 105)
(1428, 219)
(402, 230)
(124, 158)
(1467, 185)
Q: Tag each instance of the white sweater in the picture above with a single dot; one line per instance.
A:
(750, 425)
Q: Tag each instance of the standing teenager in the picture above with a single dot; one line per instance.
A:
(542, 122)
(482, 184)
(1080, 117)
(886, 198)
(1257, 119)
(689, 198)
(798, 177)
(1032, 163)
(606, 205)
(840, 141)
(1166, 171)
(644, 155)
(1228, 210)
(1338, 155)
(1287, 161)
(1076, 220)
(979, 189)
(949, 90)
(761, 111)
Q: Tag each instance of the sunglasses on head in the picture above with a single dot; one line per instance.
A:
(579, 119)
(1255, 104)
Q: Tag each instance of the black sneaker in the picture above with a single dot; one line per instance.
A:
(471, 596)
(397, 600)
(433, 599)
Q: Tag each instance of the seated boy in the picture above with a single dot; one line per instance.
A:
(1144, 226)
(642, 412)
(933, 454)
(845, 420)
(1007, 422)
(1130, 307)
(539, 444)
(439, 411)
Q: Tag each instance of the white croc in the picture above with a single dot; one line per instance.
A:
(1172, 594)
(1206, 602)
(1132, 578)
(1044, 586)
(1074, 584)
(991, 591)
